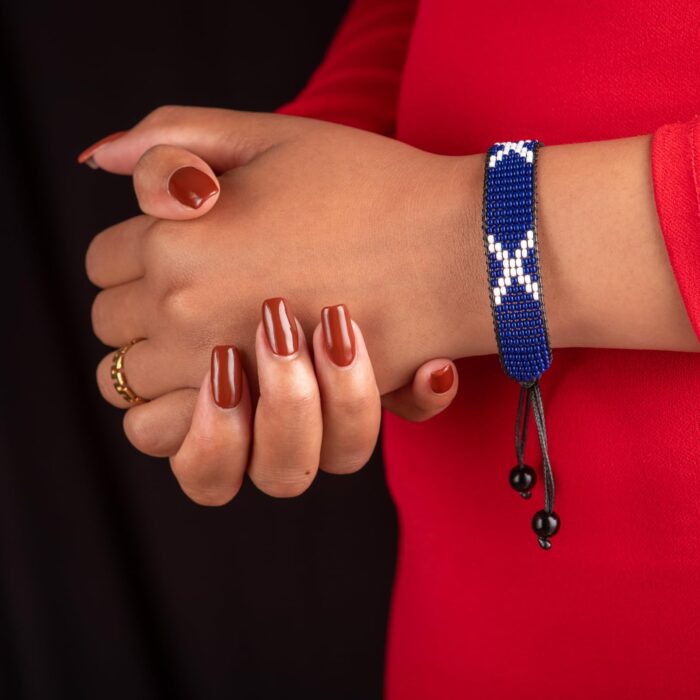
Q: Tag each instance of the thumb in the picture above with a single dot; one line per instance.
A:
(432, 390)
(221, 137)
(175, 184)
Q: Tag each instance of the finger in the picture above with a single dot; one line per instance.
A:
(212, 460)
(172, 183)
(148, 375)
(223, 138)
(114, 255)
(158, 428)
(433, 388)
(121, 314)
(349, 395)
(287, 428)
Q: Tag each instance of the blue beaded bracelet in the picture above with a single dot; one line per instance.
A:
(509, 224)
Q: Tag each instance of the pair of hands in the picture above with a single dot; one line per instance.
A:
(317, 211)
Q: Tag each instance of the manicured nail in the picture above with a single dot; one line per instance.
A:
(86, 157)
(191, 187)
(226, 376)
(338, 334)
(280, 326)
(441, 379)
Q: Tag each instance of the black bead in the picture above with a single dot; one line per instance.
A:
(545, 526)
(522, 479)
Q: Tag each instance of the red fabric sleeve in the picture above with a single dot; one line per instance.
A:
(675, 164)
(358, 82)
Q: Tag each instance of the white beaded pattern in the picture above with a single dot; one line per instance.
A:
(513, 267)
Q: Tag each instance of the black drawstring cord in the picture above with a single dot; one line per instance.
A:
(521, 424)
(545, 522)
(522, 476)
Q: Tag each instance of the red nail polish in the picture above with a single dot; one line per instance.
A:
(441, 380)
(280, 326)
(338, 334)
(86, 156)
(226, 376)
(191, 187)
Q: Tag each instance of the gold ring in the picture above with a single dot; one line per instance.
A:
(118, 377)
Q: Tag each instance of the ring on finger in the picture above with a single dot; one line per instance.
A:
(119, 378)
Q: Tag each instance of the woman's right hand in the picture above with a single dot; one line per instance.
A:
(321, 413)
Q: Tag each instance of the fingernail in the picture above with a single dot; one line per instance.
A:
(191, 187)
(338, 334)
(86, 157)
(226, 376)
(280, 326)
(441, 379)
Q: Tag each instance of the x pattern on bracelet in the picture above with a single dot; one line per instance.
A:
(512, 264)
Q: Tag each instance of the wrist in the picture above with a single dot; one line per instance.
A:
(467, 311)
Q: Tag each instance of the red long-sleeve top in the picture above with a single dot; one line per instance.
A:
(479, 611)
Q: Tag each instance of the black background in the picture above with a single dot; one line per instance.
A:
(112, 583)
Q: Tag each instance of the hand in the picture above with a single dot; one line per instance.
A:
(309, 416)
(141, 260)
(312, 209)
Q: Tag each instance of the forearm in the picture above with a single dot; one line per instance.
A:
(606, 276)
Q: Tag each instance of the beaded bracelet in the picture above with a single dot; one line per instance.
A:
(509, 224)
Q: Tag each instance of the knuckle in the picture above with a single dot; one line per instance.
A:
(93, 261)
(354, 406)
(296, 398)
(144, 434)
(178, 308)
(166, 254)
(201, 470)
(100, 318)
(157, 241)
(165, 114)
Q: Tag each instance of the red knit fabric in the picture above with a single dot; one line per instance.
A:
(479, 611)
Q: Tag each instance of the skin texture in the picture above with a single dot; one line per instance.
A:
(324, 213)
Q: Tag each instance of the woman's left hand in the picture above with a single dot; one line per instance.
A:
(311, 415)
